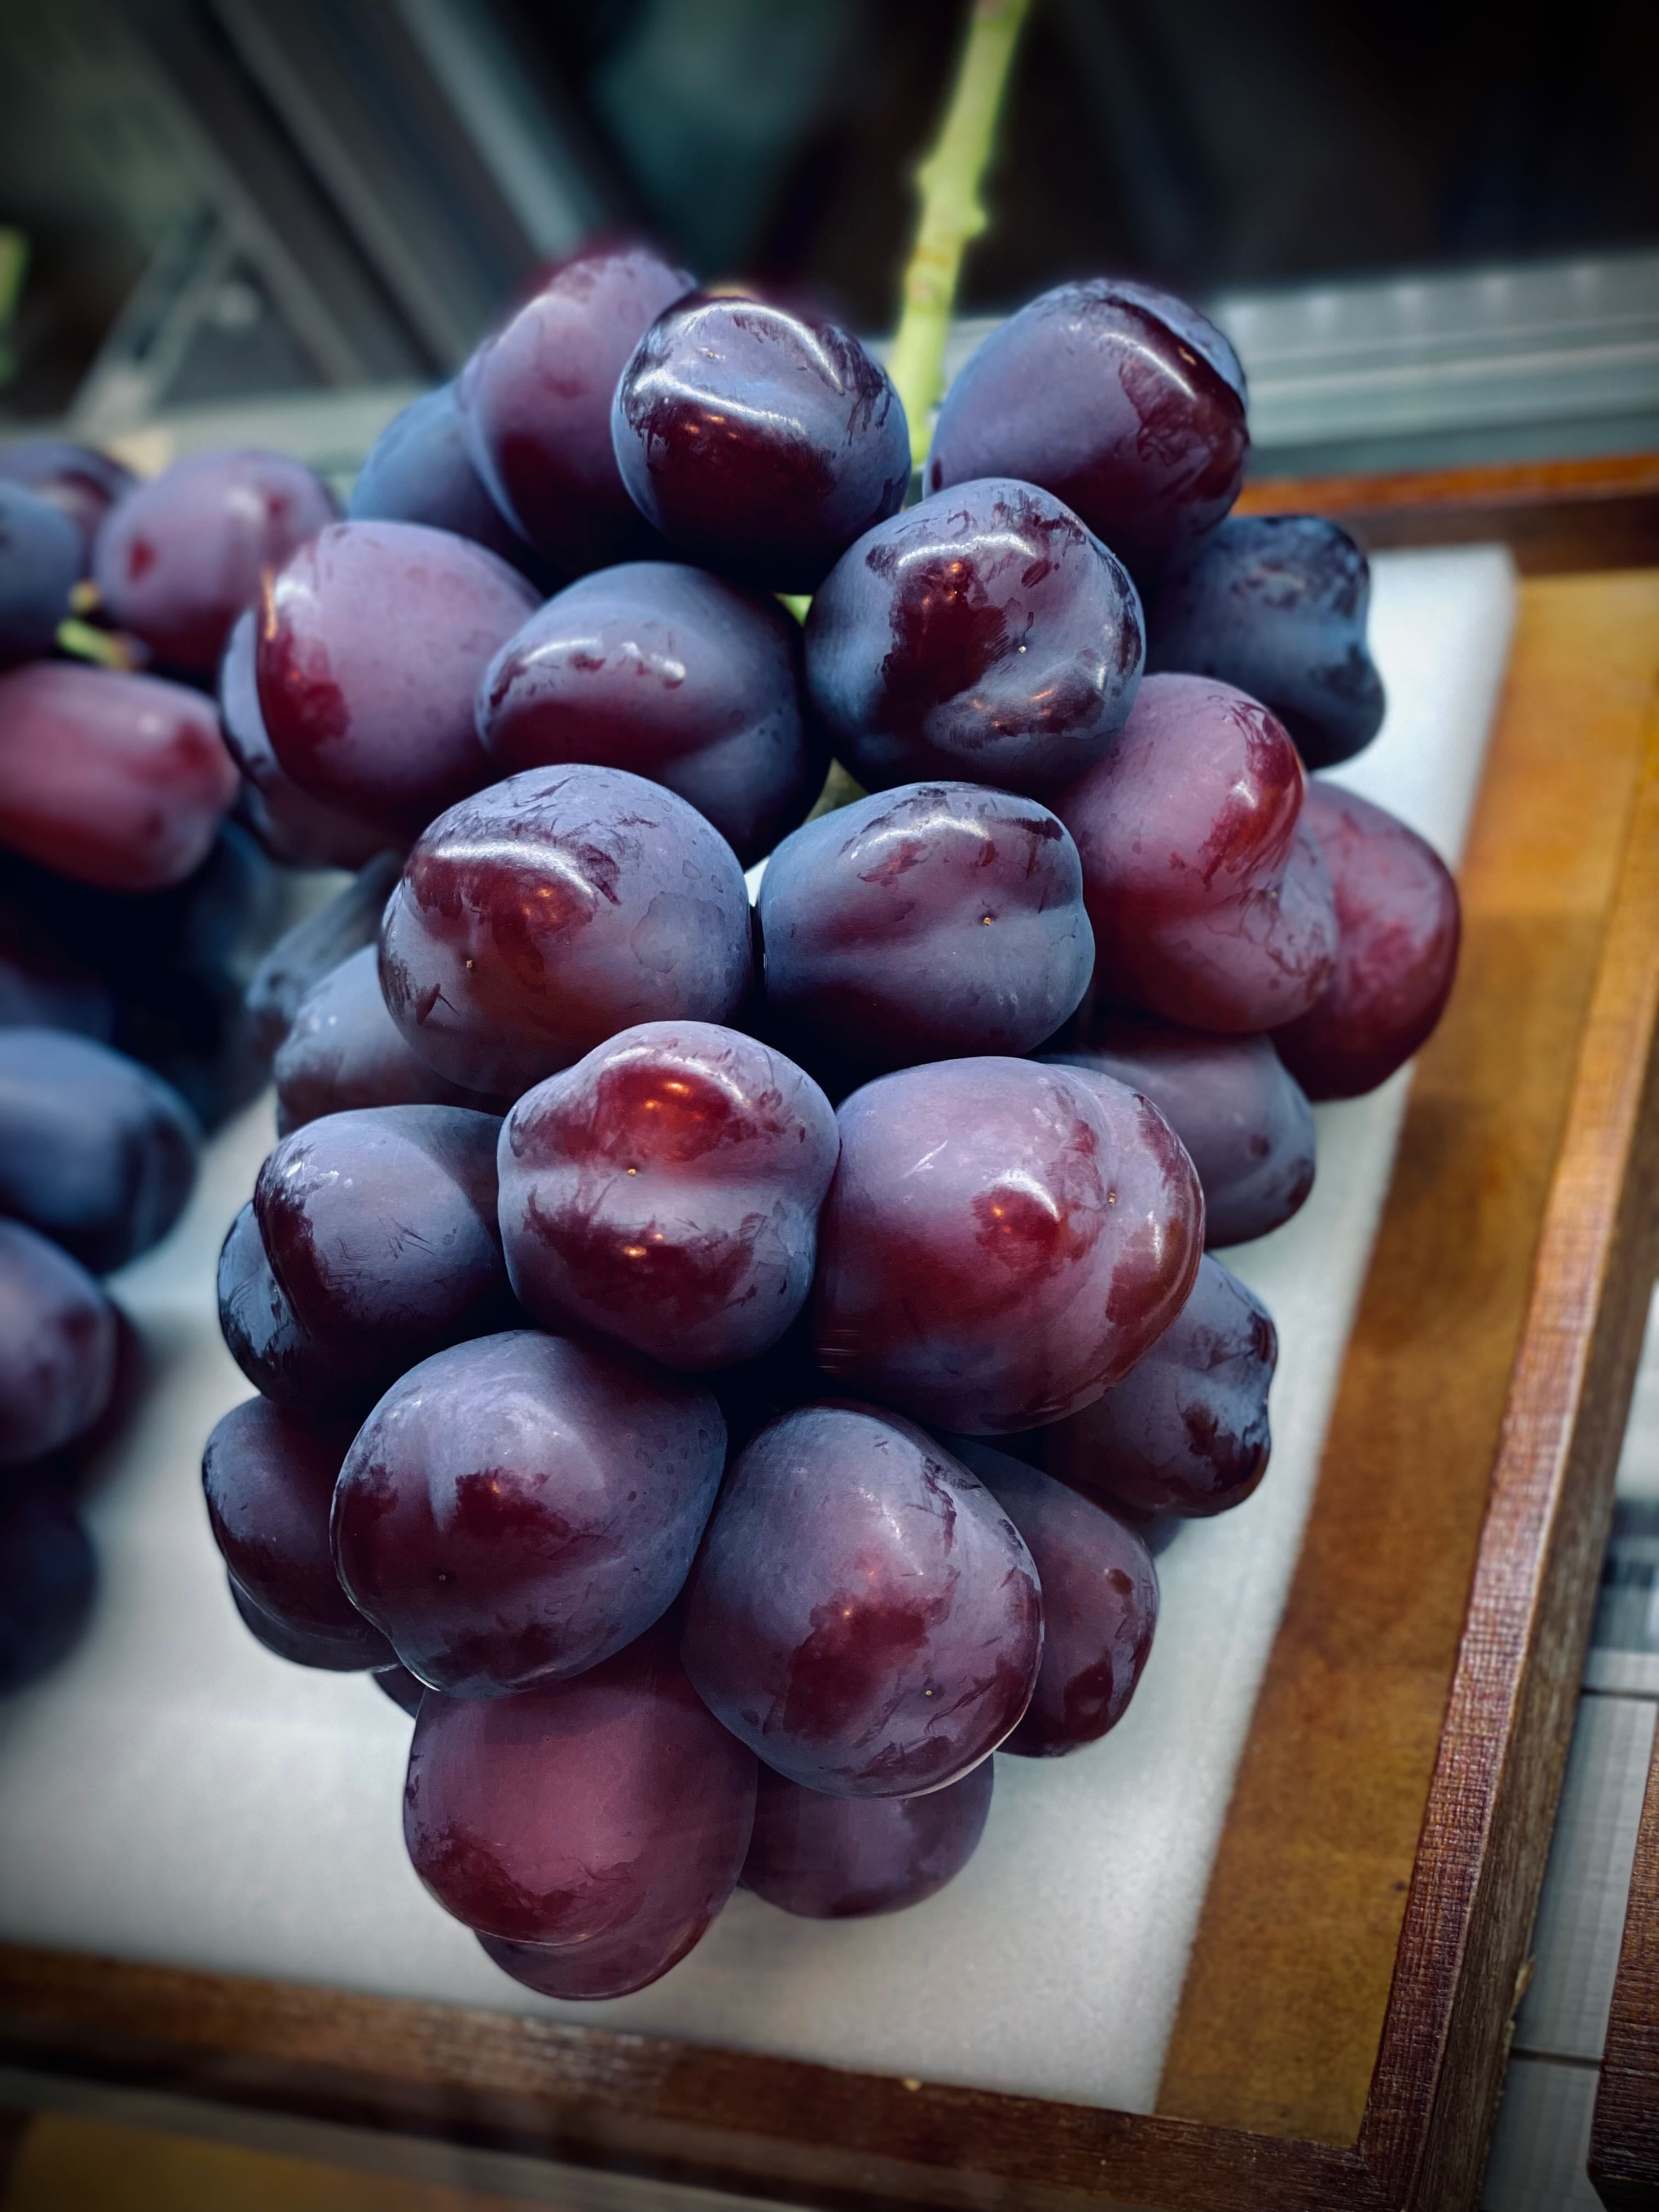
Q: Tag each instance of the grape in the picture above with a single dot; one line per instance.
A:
(863, 1615)
(932, 921)
(1099, 1605)
(48, 1578)
(269, 1482)
(759, 442)
(1120, 400)
(984, 634)
(292, 826)
(535, 404)
(610, 1965)
(40, 556)
(58, 1344)
(666, 1191)
(281, 1361)
(674, 674)
(1276, 604)
(372, 641)
(78, 480)
(177, 559)
(1185, 1432)
(1002, 1240)
(540, 917)
(1244, 1120)
(95, 1151)
(115, 780)
(402, 1688)
(315, 947)
(842, 1858)
(1210, 905)
(609, 1809)
(345, 1050)
(418, 470)
(42, 984)
(1398, 925)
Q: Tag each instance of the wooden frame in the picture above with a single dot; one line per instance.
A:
(1624, 2154)
(1573, 919)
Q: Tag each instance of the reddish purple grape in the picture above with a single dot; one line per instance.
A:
(1002, 1240)
(115, 780)
(82, 483)
(1243, 1118)
(759, 441)
(932, 921)
(844, 1858)
(372, 641)
(58, 1347)
(518, 1509)
(983, 635)
(269, 1482)
(177, 559)
(293, 827)
(283, 1361)
(674, 674)
(313, 948)
(1209, 906)
(48, 1579)
(1119, 399)
(405, 1689)
(666, 1191)
(1185, 1432)
(535, 404)
(1099, 1605)
(611, 1809)
(40, 558)
(863, 1615)
(1398, 925)
(542, 916)
(418, 470)
(344, 1050)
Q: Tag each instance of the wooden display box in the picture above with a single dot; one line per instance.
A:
(1346, 2016)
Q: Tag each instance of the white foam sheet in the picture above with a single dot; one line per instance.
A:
(174, 1793)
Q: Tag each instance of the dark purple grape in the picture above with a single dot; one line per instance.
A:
(1243, 1118)
(418, 470)
(1099, 1604)
(269, 1482)
(79, 481)
(1119, 399)
(535, 404)
(58, 1347)
(372, 641)
(177, 559)
(283, 1363)
(95, 1151)
(40, 557)
(666, 1191)
(48, 1579)
(674, 674)
(936, 919)
(1399, 926)
(42, 985)
(983, 635)
(844, 1858)
(759, 441)
(863, 1615)
(314, 948)
(1185, 1432)
(608, 1809)
(115, 780)
(1002, 1240)
(1211, 905)
(538, 918)
(402, 1688)
(293, 827)
(344, 1050)
(1276, 604)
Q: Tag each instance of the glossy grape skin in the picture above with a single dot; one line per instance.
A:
(758, 441)
(1211, 905)
(540, 917)
(293, 827)
(862, 1614)
(1118, 399)
(1099, 1605)
(118, 780)
(177, 559)
(1001, 1242)
(936, 919)
(535, 404)
(79, 481)
(405, 1690)
(283, 1361)
(580, 1812)
(40, 556)
(313, 948)
(1276, 605)
(48, 1579)
(344, 1050)
(1243, 1118)
(418, 470)
(96, 1152)
(518, 1509)
(1185, 1432)
(671, 673)
(58, 1347)
(269, 1480)
(610, 1965)
(846, 1858)
(983, 635)
(1399, 927)
(372, 641)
